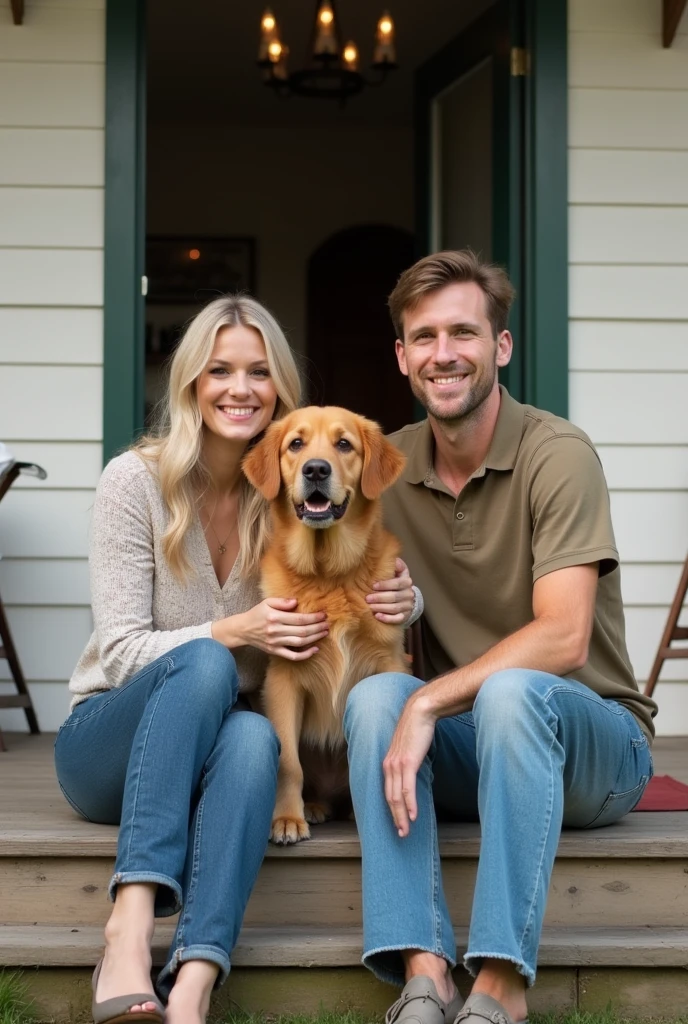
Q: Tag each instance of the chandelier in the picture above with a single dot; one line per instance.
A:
(333, 68)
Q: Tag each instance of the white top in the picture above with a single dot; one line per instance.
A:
(140, 608)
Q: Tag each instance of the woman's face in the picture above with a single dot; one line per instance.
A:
(235, 392)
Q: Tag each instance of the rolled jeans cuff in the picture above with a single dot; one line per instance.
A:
(383, 961)
(474, 961)
(168, 898)
(213, 954)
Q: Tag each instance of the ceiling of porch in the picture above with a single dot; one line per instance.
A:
(202, 58)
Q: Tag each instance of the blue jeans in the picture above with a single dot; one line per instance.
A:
(537, 752)
(192, 784)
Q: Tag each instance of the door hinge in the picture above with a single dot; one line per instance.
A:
(520, 62)
(144, 285)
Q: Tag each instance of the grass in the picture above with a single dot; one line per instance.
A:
(351, 1017)
(15, 1006)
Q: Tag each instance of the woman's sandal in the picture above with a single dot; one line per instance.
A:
(118, 1010)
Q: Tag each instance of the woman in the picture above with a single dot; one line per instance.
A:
(156, 740)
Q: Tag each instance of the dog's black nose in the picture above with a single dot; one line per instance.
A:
(316, 469)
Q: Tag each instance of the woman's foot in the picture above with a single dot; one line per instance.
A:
(189, 1000)
(127, 959)
(126, 968)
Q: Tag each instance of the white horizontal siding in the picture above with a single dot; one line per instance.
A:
(611, 176)
(628, 345)
(51, 277)
(69, 465)
(63, 36)
(45, 524)
(628, 302)
(52, 118)
(649, 583)
(628, 118)
(45, 403)
(52, 156)
(31, 335)
(645, 467)
(627, 234)
(52, 95)
(628, 292)
(54, 217)
(630, 408)
(44, 581)
(632, 61)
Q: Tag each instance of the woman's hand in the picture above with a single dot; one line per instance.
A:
(274, 627)
(393, 600)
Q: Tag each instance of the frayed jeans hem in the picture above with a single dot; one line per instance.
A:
(212, 954)
(386, 973)
(168, 898)
(473, 962)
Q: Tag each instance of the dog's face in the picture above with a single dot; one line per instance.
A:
(321, 460)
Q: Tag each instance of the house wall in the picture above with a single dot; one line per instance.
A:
(628, 304)
(52, 78)
(628, 313)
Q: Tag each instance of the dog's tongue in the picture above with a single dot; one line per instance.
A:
(317, 506)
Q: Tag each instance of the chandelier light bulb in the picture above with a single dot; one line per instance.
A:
(275, 50)
(385, 53)
(268, 23)
(350, 56)
(326, 44)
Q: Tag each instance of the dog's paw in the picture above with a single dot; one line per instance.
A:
(316, 813)
(286, 831)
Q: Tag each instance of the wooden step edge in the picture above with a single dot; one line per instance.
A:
(651, 835)
(62, 946)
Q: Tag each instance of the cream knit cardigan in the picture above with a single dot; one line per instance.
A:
(140, 609)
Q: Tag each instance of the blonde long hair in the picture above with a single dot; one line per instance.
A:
(175, 446)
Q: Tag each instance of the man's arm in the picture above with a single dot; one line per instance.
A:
(556, 641)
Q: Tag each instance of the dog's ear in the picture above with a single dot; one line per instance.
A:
(382, 462)
(262, 464)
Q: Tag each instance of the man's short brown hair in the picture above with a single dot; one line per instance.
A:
(452, 267)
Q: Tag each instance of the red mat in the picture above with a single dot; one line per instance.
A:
(664, 794)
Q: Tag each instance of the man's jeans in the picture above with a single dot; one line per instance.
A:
(536, 752)
(193, 784)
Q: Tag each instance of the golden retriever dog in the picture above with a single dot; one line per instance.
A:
(323, 471)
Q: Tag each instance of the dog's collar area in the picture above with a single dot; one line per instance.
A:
(319, 508)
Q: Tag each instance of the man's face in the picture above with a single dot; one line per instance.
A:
(449, 352)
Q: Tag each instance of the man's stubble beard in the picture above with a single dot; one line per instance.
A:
(477, 394)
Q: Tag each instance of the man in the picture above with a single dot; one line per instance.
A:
(532, 718)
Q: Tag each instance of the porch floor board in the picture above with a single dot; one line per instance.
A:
(34, 816)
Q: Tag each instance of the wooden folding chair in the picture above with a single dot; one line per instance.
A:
(8, 652)
(672, 631)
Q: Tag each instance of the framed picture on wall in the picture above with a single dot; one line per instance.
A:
(197, 269)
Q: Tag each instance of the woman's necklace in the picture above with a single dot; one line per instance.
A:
(222, 544)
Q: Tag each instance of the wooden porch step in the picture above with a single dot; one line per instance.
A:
(656, 834)
(61, 946)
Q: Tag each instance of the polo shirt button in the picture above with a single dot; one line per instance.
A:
(459, 515)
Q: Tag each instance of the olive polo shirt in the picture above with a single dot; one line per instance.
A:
(538, 503)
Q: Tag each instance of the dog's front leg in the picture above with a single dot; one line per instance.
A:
(284, 702)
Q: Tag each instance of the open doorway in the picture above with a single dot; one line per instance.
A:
(308, 205)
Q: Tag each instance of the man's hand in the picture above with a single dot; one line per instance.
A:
(410, 743)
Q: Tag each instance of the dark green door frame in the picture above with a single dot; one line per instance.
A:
(530, 185)
(125, 149)
(546, 205)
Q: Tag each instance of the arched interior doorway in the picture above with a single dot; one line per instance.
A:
(350, 335)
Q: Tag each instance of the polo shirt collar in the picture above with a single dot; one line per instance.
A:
(503, 450)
